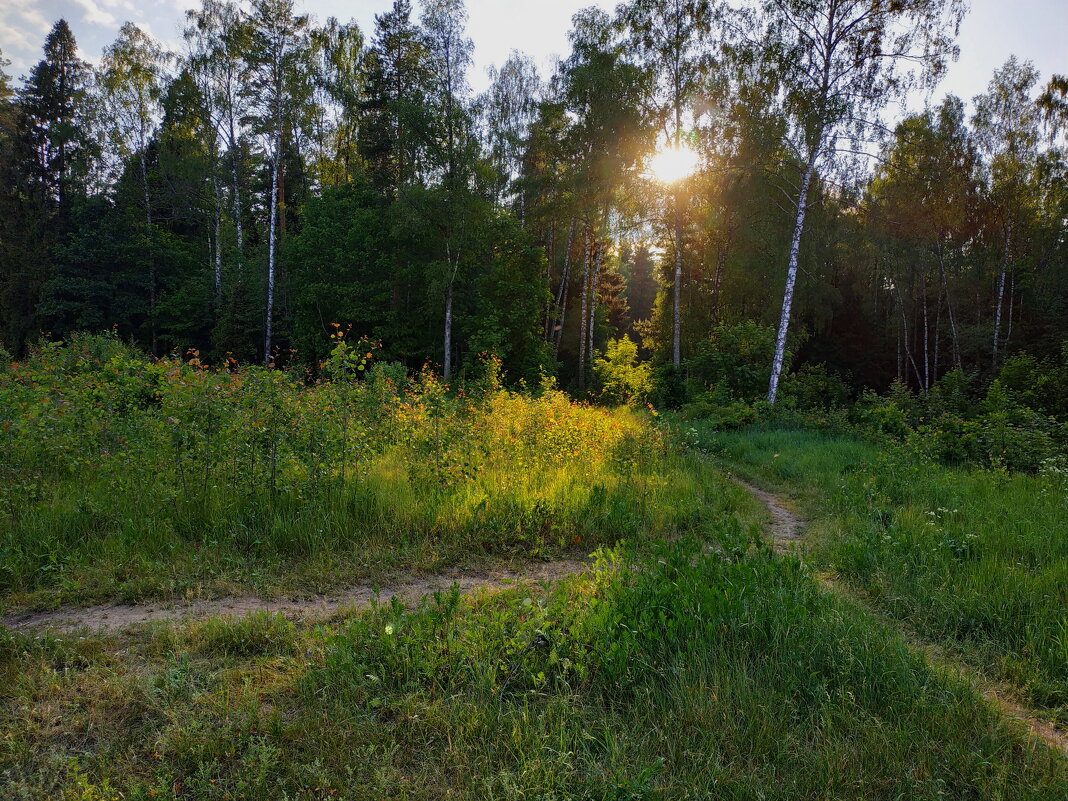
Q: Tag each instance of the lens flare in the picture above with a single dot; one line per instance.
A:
(673, 164)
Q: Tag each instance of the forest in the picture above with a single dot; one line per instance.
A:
(685, 420)
(279, 176)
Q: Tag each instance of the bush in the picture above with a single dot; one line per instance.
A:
(710, 409)
(1039, 385)
(880, 416)
(736, 360)
(813, 386)
(622, 378)
(668, 387)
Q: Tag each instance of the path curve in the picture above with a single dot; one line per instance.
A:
(786, 528)
(119, 617)
(787, 532)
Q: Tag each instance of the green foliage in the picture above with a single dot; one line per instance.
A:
(813, 386)
(123, 474)
(996, 431)
(736, 360)
(1038, 384)
(623, 378)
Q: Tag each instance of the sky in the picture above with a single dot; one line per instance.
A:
(992, 31)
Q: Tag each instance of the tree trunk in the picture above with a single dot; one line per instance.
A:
(238, 229)
(926, 341)
(447, 369)
(905, 328)
(561, 294)
(593, 292)
(938, 332)
(791, 280)
(218, 243)
(585, 310)
(1012, 298)
(271, 249)
(1001, 291)
(550, 264)
(676, 330)
(721, 264)
(949, 309)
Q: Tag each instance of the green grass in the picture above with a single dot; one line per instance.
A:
(678, 674)
(126, 479)
(690, 662)
(976, 560)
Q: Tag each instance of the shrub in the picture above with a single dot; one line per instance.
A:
(880, 416)
(668, 387)
(623, 379)
(736, 359)
(1041, 385)
(813, 386)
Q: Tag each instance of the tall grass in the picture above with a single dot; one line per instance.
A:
(974, 558)
(121, 475)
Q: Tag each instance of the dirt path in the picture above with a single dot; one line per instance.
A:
(786, 528)
(119, 617)
(787, 531)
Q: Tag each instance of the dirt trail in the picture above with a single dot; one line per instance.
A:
(786, 527)
(787, 534)
(119, 617)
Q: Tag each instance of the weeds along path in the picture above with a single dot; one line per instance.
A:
(118, 617)
(786, 533)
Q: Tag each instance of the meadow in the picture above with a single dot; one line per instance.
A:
(687, 660)
(677, 673)
(131, 478)
(976, 560)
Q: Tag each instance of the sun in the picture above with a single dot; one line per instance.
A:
(673, 164)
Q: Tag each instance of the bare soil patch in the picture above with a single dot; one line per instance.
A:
(119, 617)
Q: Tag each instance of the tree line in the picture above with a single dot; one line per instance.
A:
(280, 178)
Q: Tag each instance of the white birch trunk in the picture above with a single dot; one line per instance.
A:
(593, 294)
(676, 335)
(584, 312)
(926, 341)
(565, 282)
(791, 280)
(1001, 291)
(949, 308)
(238, 229)
(561, 293)
(271, 246)
(218, 242)
(447, 369)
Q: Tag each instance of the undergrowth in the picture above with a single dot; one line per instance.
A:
(126, 477)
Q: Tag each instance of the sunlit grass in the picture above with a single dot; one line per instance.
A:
(681, 673)
(134, 479)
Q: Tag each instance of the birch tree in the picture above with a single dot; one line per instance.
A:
(278, 43)
(444, 22)
(131, 82)
(216, 37)
(1007, 125)
(510, 107)
(835, 65)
